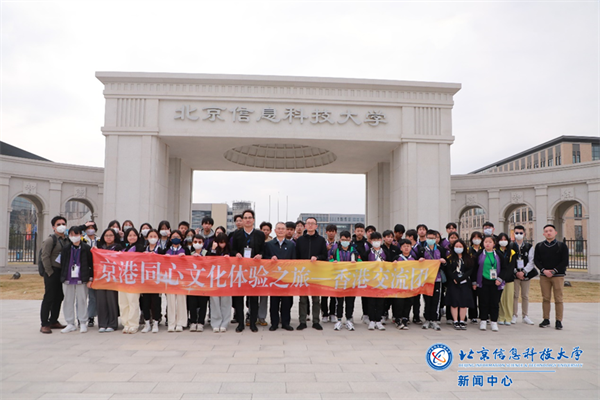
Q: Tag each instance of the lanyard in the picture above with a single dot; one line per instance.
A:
(403, 257)
(75, 254)
(491, 259)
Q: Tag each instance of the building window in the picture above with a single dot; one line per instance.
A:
(577, 211)
(529, 214)
(558, 156)
(536, 163)
(518, 217)
(595, 151)
(522, 163)
(524, 215)
(576, 154)
(529, 162)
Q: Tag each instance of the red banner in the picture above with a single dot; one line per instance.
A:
(231, 276)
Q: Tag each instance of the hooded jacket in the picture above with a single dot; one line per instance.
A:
(308, 246)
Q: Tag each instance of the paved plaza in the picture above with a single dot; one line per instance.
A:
(305, 364)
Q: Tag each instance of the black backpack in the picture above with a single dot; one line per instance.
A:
(41, 269)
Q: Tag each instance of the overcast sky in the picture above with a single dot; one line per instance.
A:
(529, 73)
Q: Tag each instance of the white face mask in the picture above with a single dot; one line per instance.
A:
(345, 243)
(488, 231)
(127, 227)
(116, 230)
(503, 243)
(376, 244)
(458, 250)
(197, 246)
(75, 239)
(90, 232)
(519, 236)
(165, 232)
(153, 241)
(145, 232)
(476, 242)
(61, 228)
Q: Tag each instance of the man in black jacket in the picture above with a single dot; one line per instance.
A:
(280, 248)
(311, 246)
(247, 243)
(552, 258)
(362, 246)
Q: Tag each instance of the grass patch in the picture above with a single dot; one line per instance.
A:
(31, 287)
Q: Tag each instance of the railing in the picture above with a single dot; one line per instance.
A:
(22, 247)
(577, 253)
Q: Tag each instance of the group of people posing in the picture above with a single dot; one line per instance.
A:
(481, 280)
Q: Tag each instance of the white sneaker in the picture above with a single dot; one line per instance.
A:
(146, 328)
(109, 329)
(223, 329)
(384, 319)
(338, 326)
(171, 329)
(155, 327)
(193, 327)
(179, 328)
(500, 322)
(483, 325)
(494, 326)
(527, 320)
(101, 330)
(371, 325)
(349, 325)
(199, 328)
(380, 326)
(513, 320)
(365, 319)
(436, 326)
(425, 325)
(216, 330)
(82, 328)
(333, 318)
(325, 319)
(68, 328)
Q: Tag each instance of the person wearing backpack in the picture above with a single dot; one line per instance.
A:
(51, 271)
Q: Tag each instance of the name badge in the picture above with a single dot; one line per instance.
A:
(247, 252)
(493, 274)
(58, 258)
(520, 264)
(75, 271)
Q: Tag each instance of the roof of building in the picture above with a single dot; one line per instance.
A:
(550, 143)
(12, 151)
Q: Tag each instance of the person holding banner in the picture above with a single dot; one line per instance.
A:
(247, 243)
(433, 303)
(311, 246)
(458, 295)
(401, 306)
(220, 306)
(343, 251)
(376, 303)
(362, 246)
(176, 303)
(197, 304)
(280, 249)
(129, 303)
(151, 302)
(107, 301)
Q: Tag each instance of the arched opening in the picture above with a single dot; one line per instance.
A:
(519, 214)
(471, 219)
(78, 211)
(570, 219)
(24, 227)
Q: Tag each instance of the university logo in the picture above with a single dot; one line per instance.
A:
(439, 357)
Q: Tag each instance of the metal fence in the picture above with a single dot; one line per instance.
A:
(22, 247)
(577, 253)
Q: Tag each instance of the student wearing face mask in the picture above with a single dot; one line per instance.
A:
(189, 239)
(458, 296)
(524, 271)
(51, 260)
(376, 304)
(343, 251)
(91, 239)
(107, 301)
(220, 306)
(474, 249)
(197, 304)
(151, 302)
(176, 303)
(116, 227)
(164, 230)
(506, 300)
(145, 228)
(488, 230)
(129, 303)
(76, 274)
(433, 303)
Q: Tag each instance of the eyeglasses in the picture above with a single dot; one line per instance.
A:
(248, 218)
(311, 223)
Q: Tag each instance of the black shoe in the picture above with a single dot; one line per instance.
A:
(91, 322)
(317, 326)
(239, 328)
(462, 325)
(558, 325)
(545, 323)
(301, 327)
(273, 328)
(456, 325)
(417, 321)
(253, 328)
(287, 328)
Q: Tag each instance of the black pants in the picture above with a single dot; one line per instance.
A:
(197, 308)
(238, 305)
(473, 310)
(107, 302)
(151, 306)
(349, 307)
(386, 306)
(401, 308)
(376, 308)
(283, 303)
(53, 297)
(328, 308)
(364, 301)
(448, 312)
(489, 300)
(416, 307)
(433, 303)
